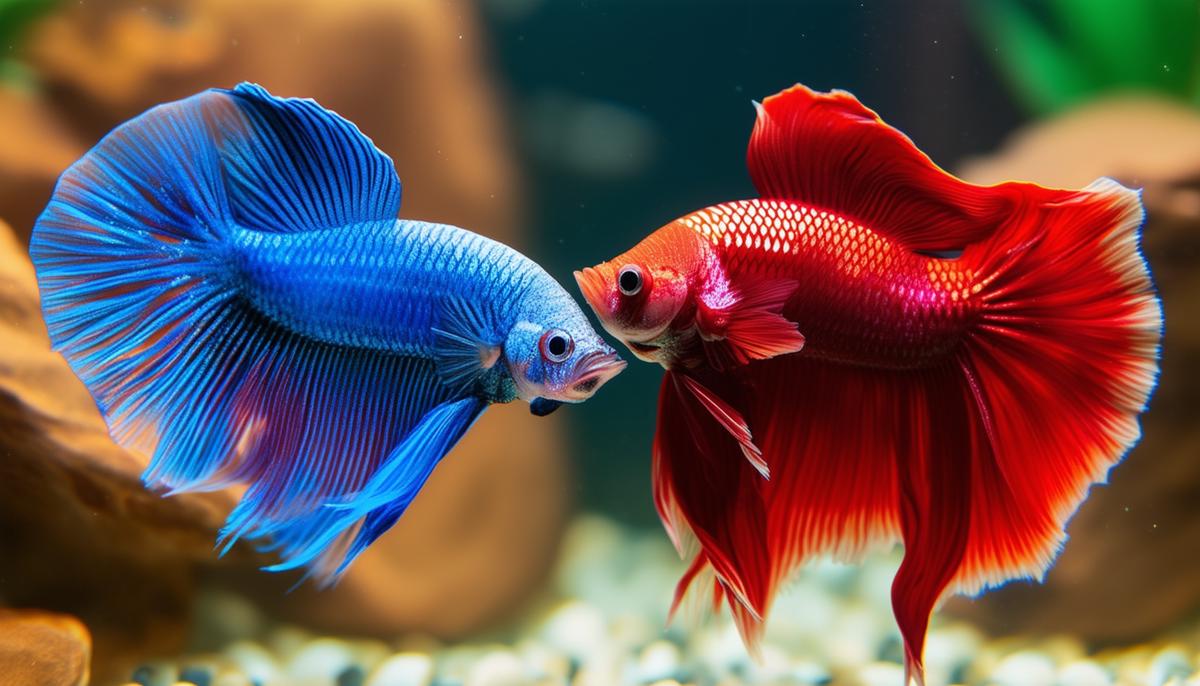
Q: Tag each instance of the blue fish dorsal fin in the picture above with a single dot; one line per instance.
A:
(292, 165)
(466, 347)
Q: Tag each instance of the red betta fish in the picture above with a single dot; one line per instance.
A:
(875, 351)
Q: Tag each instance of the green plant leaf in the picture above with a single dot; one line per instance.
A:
(1056, 53)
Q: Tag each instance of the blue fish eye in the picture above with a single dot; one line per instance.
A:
(556, 345)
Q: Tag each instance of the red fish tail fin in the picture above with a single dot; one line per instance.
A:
(1061, 363)
(1047, 389)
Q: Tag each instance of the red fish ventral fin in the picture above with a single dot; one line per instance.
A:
(705, 489)
(731, 420)
(828, 150)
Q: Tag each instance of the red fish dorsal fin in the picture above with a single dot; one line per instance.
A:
(830, 151)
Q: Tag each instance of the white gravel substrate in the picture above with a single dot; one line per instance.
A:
(604, 625)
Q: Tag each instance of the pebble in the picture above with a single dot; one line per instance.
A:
(1024, 668)
(808, 673)
(254, 661)
(320, 663)
(855, 638)
(198, 675)
(881, 674)
(1169, 663)
(658, 661)
(949, 651)
(543, 663)
(773, 666)
(404, 669)
(155, 674)
(833, 625)
(498, 668)
(1083, 673)
(577, 629)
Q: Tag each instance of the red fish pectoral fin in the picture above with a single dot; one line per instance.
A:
(704, 487)
(738, 327)
(828, 150)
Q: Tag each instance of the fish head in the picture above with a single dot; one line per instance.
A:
(555, 356)
(643, 296)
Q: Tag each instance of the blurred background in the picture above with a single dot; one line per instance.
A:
(569, 129)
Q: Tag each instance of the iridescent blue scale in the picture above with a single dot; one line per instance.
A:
(381, 284)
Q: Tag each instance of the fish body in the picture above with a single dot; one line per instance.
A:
(382, 285)
(859, 296)
(228, 277)
(875, 352)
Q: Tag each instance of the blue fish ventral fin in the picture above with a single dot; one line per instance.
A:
(344, 529)
(141, 295)
(466, 347)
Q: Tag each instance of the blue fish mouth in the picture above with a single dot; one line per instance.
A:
(593, 371)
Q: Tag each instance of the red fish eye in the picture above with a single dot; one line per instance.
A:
(630, 279)
(556, 345)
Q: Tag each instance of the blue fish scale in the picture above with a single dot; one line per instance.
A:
(382, 285)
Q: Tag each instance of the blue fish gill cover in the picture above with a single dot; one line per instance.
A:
(133, 263)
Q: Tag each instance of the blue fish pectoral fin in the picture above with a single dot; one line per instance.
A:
(466, 347)
(540, 407)
(331, 537)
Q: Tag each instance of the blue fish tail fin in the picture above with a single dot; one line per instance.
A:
(142, 295)
(130, 256)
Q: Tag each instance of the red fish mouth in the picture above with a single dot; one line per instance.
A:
(594, 371)
(643, 348)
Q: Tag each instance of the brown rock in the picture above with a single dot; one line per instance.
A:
(409, 74)
(43, 649)
(78, 533)
(1129, 568)
(85, 536)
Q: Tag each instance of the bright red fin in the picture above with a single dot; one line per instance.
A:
(1064, 361)
(704, 486)
(744, 326)
(830, 151)
(834, 489)
(731, 420)
(861, 459)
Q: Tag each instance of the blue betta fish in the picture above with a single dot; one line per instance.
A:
(228, 276)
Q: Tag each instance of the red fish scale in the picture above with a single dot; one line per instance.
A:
(862, 299)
